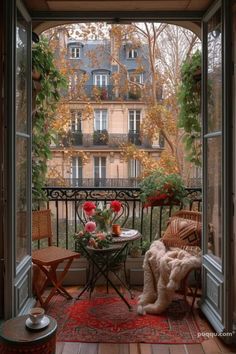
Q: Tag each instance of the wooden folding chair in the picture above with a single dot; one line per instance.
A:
(48, 259)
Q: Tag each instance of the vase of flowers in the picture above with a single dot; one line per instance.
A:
(103, 217)
(160, 188)
(97, 230)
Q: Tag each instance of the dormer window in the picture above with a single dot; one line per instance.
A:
(101, 77)
(74, 52)
(100, 80)
(138, 78)
(132, 54)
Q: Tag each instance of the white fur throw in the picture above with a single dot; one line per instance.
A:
(163, 271)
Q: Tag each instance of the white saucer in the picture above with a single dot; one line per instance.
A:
(44, 323)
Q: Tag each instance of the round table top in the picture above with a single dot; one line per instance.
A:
(127, 235)
(15, 331)
(118, 242)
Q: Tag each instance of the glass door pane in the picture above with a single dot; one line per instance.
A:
(22, 142)
(217, 167)
(212, 136)
(214, 197)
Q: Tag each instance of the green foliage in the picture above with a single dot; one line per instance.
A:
(189, 101)
(161, 186)
(46, 99)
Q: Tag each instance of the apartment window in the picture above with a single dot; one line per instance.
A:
(73, 81)
(76, 123)
(138, 78)
(100, 119)
(132, 54)
(77, 169)
(99, 170)
(134, 120)
(100, 80)
(134, 168)
(74, 52)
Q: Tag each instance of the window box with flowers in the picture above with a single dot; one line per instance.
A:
(96, 232)
(160, 188)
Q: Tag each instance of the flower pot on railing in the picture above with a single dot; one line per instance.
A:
(161, 200)
(36, 76)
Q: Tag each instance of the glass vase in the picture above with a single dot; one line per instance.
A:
(104, 225)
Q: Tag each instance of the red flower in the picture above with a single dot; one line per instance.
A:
(116, 206)
(89, 208)
(162, 196)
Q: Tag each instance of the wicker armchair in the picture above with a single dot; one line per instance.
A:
(188, 289)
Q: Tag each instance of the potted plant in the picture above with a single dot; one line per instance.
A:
(160, 188)
(139, 249)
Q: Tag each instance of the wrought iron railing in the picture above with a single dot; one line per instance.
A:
(131, 182)
(71, 139)
(111, 93)
(102, 138)
(135, 137)
(151, 221)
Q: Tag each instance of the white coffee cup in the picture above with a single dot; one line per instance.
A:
(36, 314)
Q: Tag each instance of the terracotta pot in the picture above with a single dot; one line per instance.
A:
(161, 202)
(36, 75)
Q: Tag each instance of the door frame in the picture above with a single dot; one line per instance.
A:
(17, 279)
(217, 284)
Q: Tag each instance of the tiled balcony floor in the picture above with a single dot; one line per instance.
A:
(209, 346)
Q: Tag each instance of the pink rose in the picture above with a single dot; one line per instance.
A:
(90, 226)
(100, 236)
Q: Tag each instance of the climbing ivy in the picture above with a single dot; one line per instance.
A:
(46, 94)
(189, 101)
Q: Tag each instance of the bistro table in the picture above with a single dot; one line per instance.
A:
(103, 262)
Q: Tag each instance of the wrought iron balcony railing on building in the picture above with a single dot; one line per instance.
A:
(102, 138)
(151, 221)
(111, 93)
(134, 137)
(132, 92)
(71, 139)
(94, 182)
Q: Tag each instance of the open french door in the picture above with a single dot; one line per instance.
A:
(17, 239)
(217, 169)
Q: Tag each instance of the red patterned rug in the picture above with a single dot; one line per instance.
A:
(105, 318)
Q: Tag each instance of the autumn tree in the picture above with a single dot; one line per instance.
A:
(168, 47)
(164, 48)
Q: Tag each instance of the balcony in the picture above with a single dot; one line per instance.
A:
(91, 182)
(110, 93)
(100, 137)
(70, 139)
(63, 202)
(134, 137)
(103, 139)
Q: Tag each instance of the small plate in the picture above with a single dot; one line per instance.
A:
(44, 323)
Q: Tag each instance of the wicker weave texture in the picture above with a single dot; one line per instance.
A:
(41, 224)
(187, 214)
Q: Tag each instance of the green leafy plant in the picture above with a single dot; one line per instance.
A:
(189, 100)
(45, 100)
(161, 188)
(139, 248)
